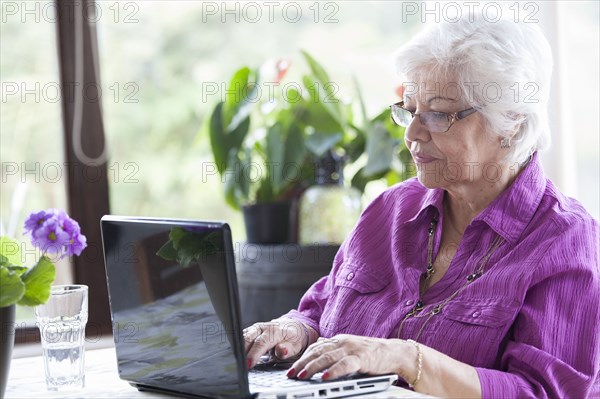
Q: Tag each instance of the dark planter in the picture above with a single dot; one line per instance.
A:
(271, 222)
(7, 336)
(273, 278)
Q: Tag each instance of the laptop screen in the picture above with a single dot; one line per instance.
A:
(170, 286)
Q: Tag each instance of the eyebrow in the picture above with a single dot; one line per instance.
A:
(433, 98)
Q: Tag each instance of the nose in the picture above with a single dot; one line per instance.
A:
(416, 132)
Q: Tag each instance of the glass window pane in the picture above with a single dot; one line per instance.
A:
(33, 170)
(164, 67)
(580, 31)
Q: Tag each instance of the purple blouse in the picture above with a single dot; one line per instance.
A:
(530, 325)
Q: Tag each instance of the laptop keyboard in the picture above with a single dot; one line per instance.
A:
(267, 379)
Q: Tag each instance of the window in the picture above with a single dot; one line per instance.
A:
(31, 151)
(579, 32)
(165, 66)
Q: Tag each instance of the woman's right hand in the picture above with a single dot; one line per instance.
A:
(283, 338)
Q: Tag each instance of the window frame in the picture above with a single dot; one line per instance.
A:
(88, 199)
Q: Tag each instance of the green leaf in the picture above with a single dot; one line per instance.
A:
(10, 252)
(319, 73)
(235, 93)
(190, 246)
(393, 177)
(323, 89)
(265, 192)
(383, 116)
(294, 148)
(11, 287)
(237, 177)
(167, 251)
(356, 147)
(275, 155)
(361, 102)
(380, 151)
(236, 137)
(360, 180)
(319, 143)
(218, 140)
(241, 97)
(315, 115)
(324, 109)
(37, 282)
(17, 269)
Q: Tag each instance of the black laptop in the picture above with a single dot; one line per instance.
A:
(176, 321)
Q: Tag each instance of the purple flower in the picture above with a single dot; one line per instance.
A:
(50, 237)
(76, 244)
(69, 225)
(53, 231)
(35, 221)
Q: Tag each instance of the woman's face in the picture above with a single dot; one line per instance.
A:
(464, 154)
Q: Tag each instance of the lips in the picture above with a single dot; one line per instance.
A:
(420, 157)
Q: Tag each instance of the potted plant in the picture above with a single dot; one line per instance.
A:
(255, 144)
(54, 233)
(266, 148)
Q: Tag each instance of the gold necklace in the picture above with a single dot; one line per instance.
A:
(478, 272)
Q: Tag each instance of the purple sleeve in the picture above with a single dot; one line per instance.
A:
(554, 349)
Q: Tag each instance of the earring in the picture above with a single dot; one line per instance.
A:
(505, 143)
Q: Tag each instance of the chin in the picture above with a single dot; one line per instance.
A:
(431, 177)
(430, 181)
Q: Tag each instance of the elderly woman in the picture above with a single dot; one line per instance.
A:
(478, 278)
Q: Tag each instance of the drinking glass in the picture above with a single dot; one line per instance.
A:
(62, 322)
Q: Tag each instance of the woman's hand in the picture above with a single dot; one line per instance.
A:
(283, 338)
(345, 354)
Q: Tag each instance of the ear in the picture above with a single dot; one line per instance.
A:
(400, 91)
(519, 120)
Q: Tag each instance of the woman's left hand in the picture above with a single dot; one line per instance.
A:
(345, 354)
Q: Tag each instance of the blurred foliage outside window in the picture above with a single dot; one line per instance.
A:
(34, 174)
(177, 61)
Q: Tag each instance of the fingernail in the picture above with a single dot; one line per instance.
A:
(291, 372)
(302, 374)
(249, 362)
(325, 375)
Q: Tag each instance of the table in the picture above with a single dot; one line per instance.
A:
(26, 380)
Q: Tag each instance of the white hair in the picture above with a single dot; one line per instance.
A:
(503, 68)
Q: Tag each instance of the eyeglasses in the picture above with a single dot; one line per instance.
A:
(435, 122)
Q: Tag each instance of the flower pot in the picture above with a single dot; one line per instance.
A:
(270, 222)
(7, 337)
(273, 278)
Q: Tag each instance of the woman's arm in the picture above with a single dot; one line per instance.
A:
(344, 354)
(440, 374)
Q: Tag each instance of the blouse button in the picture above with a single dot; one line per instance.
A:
(476, 314)
(409, 302)
(350, 276)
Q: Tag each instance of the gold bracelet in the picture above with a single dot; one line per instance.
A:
(419, 363)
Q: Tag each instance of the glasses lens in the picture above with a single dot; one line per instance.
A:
(401, 116)
(435, 121)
